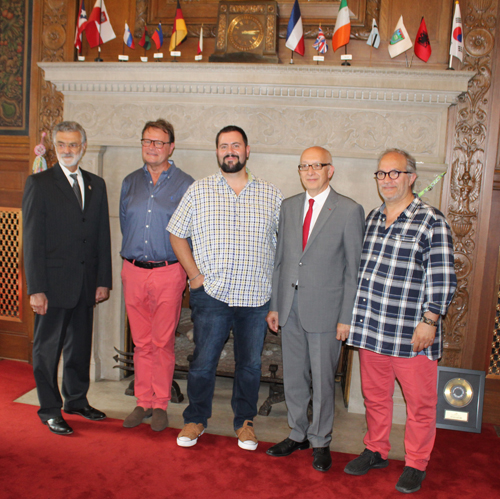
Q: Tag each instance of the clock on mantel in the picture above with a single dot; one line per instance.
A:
(247, 31)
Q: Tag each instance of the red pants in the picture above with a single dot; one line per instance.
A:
(418, 378)
(153, 300)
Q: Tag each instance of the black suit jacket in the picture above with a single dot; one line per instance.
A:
(65, 248)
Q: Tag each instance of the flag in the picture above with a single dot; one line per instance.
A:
(422, 43)
(400, 41)
(98, 28)
(127, 37)
(145, 41)
(80, 27)
(158, 37)
(320, 43)
(342, 31)
(200, 42)
(457, 44)
(179, 29)
(295, 32)
(374, 38)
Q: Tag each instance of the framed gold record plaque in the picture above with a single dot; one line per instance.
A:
(246, 32)
(460, 399)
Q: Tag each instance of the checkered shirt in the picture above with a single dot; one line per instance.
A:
(233, 237)
(405, 270)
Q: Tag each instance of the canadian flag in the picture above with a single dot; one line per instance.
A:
(98, 28)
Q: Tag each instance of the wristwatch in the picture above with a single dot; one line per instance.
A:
(428, 321)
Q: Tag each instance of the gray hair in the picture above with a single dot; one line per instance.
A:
(411, 164)
(69, 126)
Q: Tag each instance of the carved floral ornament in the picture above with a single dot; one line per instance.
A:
(479, 22)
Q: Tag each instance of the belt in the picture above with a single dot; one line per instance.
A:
(151, 265)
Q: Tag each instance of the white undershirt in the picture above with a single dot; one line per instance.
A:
(80, 180)
(319, 201)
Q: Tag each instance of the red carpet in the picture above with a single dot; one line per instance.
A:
(102, 460)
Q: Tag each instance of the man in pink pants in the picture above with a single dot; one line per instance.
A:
(406, 281)
(153, 279)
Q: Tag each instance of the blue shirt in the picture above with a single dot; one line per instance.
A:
(145, 210)
(406, 270)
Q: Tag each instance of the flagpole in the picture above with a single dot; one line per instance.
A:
(345, 63)
(98, 58)
(291, 60)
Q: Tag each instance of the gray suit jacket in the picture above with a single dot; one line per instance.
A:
(326, 271)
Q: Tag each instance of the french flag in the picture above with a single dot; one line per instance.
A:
(295, 32)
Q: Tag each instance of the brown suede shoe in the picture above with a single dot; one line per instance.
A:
(246, 436)
(136, 417)
(189, 434)
(160, 420)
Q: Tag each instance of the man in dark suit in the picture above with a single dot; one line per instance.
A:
(67, 258)
(320, 238)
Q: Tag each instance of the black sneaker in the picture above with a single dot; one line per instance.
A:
(366, 461)
(410, 480)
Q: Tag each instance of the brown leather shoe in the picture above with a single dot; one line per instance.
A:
(136, 417)
(160, 420)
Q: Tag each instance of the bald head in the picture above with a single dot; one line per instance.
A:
(322, 154)
(314, 180)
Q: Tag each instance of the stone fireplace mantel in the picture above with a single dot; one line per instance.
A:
(354, 112)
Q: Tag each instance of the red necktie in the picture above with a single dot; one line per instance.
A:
(307, 224)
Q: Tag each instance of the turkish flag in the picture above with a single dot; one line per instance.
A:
(422, 43)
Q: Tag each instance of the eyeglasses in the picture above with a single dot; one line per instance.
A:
(157, 144)
(63, 145)
(393, 174)
(314, 166)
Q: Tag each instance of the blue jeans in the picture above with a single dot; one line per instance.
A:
(213, 320)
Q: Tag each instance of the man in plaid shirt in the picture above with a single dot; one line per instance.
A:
(406, 282)
(232, 220)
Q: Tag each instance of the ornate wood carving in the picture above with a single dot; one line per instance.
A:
(479, 23)
(361, 32)
(54, 34)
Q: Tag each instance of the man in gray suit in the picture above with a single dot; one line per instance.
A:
(320, 238)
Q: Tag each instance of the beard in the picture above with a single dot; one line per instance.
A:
(69, 159)
(235, 167)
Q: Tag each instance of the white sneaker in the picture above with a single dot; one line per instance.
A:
(189, 434)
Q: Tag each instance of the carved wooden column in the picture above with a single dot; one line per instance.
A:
(467, 184)
(57, 20)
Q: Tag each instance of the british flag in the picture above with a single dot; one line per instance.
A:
(320, 43)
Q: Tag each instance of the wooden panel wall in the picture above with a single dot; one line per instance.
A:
(437, 16)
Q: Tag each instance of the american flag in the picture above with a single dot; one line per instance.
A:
(320, 43)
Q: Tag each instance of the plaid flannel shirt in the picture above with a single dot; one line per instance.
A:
(233, 237)
(406, 270)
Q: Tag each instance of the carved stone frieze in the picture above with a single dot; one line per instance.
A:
(273, 128)
(479, 22)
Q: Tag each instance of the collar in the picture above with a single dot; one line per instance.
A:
(321, 197)
(408, 211)
(220, 178)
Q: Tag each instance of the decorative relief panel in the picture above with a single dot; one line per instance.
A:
(272, 128)
(479, 19)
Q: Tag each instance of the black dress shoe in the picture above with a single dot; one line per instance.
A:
(88, 413)
(286, 447)
(58, 426)
(322, 458)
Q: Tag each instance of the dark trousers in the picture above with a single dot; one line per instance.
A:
(213, 320)
(68, 331)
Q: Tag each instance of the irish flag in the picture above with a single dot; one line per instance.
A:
(342, 31)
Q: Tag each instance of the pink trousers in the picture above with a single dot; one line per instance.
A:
(153, 299)
(418, 378)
